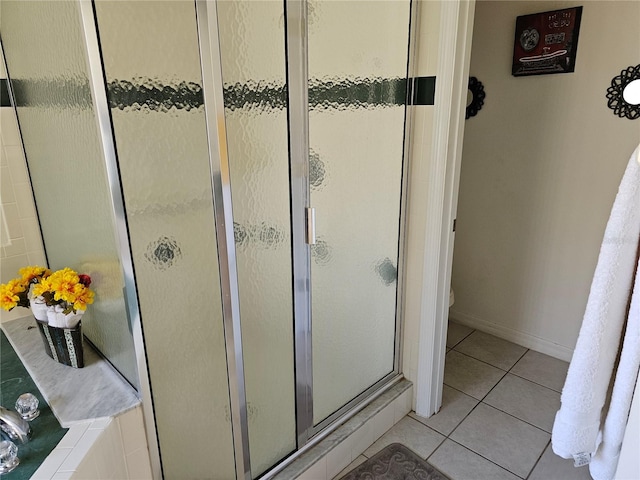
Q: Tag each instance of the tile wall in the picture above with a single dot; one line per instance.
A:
(21, 240)
(103, 449)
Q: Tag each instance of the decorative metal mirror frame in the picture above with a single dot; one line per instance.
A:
(477, 91)
(615, 99)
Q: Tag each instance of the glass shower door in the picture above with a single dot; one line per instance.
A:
(151, 57)
(254, 80)
(357, 60)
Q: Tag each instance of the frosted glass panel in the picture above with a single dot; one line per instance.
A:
(45, 53)
(253, 61)
(357, 71)
(153, 72)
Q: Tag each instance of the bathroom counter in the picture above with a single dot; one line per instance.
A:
(74, 394)
(14, 381)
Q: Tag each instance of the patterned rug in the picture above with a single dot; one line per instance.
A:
(394, 462)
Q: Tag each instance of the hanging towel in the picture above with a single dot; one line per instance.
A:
(604, 463)
(577, 423)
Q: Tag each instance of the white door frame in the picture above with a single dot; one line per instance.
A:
(452, 74)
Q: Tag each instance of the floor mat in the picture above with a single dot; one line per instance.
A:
(394, 462)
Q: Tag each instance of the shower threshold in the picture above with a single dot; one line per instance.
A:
(369, 421)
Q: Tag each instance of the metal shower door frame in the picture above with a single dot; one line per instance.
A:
(296, 37)
(296, 31)
(307, 433)
(98, 86)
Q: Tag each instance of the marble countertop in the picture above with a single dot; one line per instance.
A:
(74, 394)
(46, 430)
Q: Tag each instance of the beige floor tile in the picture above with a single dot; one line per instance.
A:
(357, 462)
(552, 467)
(542, 369)
(456, 333)
(410, 433)
(469, 375)
(460, 463)
(526, 400)
(492, 350)
(501, 438)
(455, 406)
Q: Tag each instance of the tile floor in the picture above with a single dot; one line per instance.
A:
(499, 402)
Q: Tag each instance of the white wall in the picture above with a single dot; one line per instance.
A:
(25, 241)
(541, 165)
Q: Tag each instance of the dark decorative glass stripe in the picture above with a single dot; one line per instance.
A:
(359, 92)
(5, 100)
(154, 95)
(60, 92)
(424, 90)
(255, 95)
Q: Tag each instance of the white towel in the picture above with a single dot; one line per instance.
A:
(604, 463)
(577, 423)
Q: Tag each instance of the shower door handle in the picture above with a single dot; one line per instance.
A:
(311, 226)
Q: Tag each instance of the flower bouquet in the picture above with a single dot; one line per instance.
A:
(57, 300)
(16, 293)
(66, 295)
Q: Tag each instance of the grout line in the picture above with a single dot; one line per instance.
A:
(493, 388)
(487, 459)
(490, 390)
(521, 357)
(478, 360)
(426, 459)
(465, 393)
(511, 415)
(463, 419)
(539, 458)
(463, 338)
(471, 356)
(536, 383)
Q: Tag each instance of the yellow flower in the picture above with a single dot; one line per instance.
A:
(9, 293)
(64, 288)
(42, 287)
(62, 284)
(29, 273)
(83, 297)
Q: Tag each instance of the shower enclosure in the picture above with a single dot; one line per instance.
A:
(259, 151)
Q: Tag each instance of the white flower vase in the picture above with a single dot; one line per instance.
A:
(56, 317)
(38, 308)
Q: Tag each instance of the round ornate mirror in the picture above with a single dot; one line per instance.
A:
(623, 96)
(475, 97)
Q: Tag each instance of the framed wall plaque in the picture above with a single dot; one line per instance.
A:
(546, 42)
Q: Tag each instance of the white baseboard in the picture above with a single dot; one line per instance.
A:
(516, 336)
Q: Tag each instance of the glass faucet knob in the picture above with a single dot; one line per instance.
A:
(27, 406)
(8, 456)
